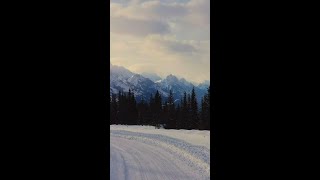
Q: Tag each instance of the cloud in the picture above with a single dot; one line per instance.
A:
(137, 27)
(155, 10)
(168, 45)
(162, 36)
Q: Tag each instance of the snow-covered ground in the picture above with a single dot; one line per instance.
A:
(143, 152)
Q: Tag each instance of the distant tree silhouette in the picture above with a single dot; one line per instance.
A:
(124, 109)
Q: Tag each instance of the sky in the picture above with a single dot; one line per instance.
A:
(162, 36)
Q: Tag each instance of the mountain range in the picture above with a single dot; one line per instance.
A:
(145, 84)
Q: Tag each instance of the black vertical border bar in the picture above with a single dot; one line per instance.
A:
(217, 72)
(103, 24)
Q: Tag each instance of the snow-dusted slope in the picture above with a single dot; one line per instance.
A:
(138, 152)
(121, 79)
(179, 86)
(204, 85)
(152, 76)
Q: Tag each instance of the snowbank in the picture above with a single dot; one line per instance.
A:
(195, 137)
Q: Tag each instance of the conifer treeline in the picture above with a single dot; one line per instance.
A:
(173, 115)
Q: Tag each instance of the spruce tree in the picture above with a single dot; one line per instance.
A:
(171, 111)
(194, 110)
(178, 117)
(124, 109)
(202, 114)
(207, 100)
(113, 109)
(184, 122)
(188, 113)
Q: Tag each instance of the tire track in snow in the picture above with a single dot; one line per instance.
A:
(172, 154)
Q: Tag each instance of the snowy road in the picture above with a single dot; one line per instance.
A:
(136, 155)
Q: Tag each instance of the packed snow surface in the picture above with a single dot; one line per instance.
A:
(143, 152)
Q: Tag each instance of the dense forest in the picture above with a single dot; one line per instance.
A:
(185, 114)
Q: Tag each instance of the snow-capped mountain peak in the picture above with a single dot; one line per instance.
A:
(152, 76)
(172, 78)
(121, 79)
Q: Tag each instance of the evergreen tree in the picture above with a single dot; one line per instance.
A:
(124, 109)
(188, 113)
(132, 109)
(178, 117)
(184, 122)
(113, 109)
(202, 114)
(208, 110)
(194, 110)
(142, 108)
(157, 108)
(205, 111)
(171, 112)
